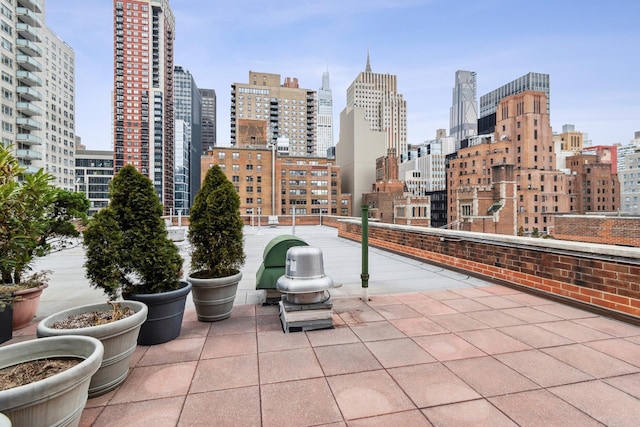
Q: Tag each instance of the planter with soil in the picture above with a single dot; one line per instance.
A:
(117, 327)
(58, 399)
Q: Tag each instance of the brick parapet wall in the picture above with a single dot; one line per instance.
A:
(601, 276)
(598, 229)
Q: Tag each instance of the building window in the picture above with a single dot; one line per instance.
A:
(466, 210)
(221, 155)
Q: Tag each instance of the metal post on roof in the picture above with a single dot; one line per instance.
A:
(293, 221)
(365, 253)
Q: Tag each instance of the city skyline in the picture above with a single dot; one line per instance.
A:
(587, 55)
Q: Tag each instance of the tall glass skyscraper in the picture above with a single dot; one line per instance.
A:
(325, 117)
(187, 108)
(463, 121)
(530, 81)
(209, 107)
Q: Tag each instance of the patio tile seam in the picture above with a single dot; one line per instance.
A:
(617, 387)
(351, 420)
(549, 389)
(587, 373)
(484, 399)
(634, 363)
(552, 394)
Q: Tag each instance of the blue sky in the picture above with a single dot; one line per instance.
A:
(590, 49)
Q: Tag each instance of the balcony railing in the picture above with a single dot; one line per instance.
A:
(28, 63)
(28, 16)
(27, 138)
(27, 123)
(33, 5)
(29, 93)
(28, 109)
(28, 155)
(28, 32)
(28, 78)
(28, 47)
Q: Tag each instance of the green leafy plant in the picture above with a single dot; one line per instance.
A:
(32, 212)
(215, 228)
(127, 248)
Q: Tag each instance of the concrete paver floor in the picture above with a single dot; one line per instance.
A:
(427, 349)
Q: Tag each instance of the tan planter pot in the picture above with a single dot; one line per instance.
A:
(57, 400)
(213, 298)
(120, 339)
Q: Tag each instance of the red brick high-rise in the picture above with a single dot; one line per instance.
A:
(510, 185)
(143, 122)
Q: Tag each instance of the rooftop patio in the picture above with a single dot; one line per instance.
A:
(431, 347)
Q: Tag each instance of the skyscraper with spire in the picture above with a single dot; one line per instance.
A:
(463, 121)
(325, 117)
(385, 109)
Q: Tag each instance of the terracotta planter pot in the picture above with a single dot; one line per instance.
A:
(213, 298)
(119, 338)
(59, 399)
(25, 305)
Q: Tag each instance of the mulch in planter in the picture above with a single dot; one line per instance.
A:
(35, 370)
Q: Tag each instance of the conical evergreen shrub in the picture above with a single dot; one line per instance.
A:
(128, 251)
(215, 228)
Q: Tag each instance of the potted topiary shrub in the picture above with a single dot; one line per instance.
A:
(215, 234)
(130, 256)
(32, 214)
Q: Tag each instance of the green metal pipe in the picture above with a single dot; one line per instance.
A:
(365, 253)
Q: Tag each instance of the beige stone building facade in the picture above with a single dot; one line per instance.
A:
(570, 139)
(356, 152)
(264, 110)
(384, 108)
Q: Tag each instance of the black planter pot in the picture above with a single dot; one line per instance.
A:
(164, 319)
(6, 324)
